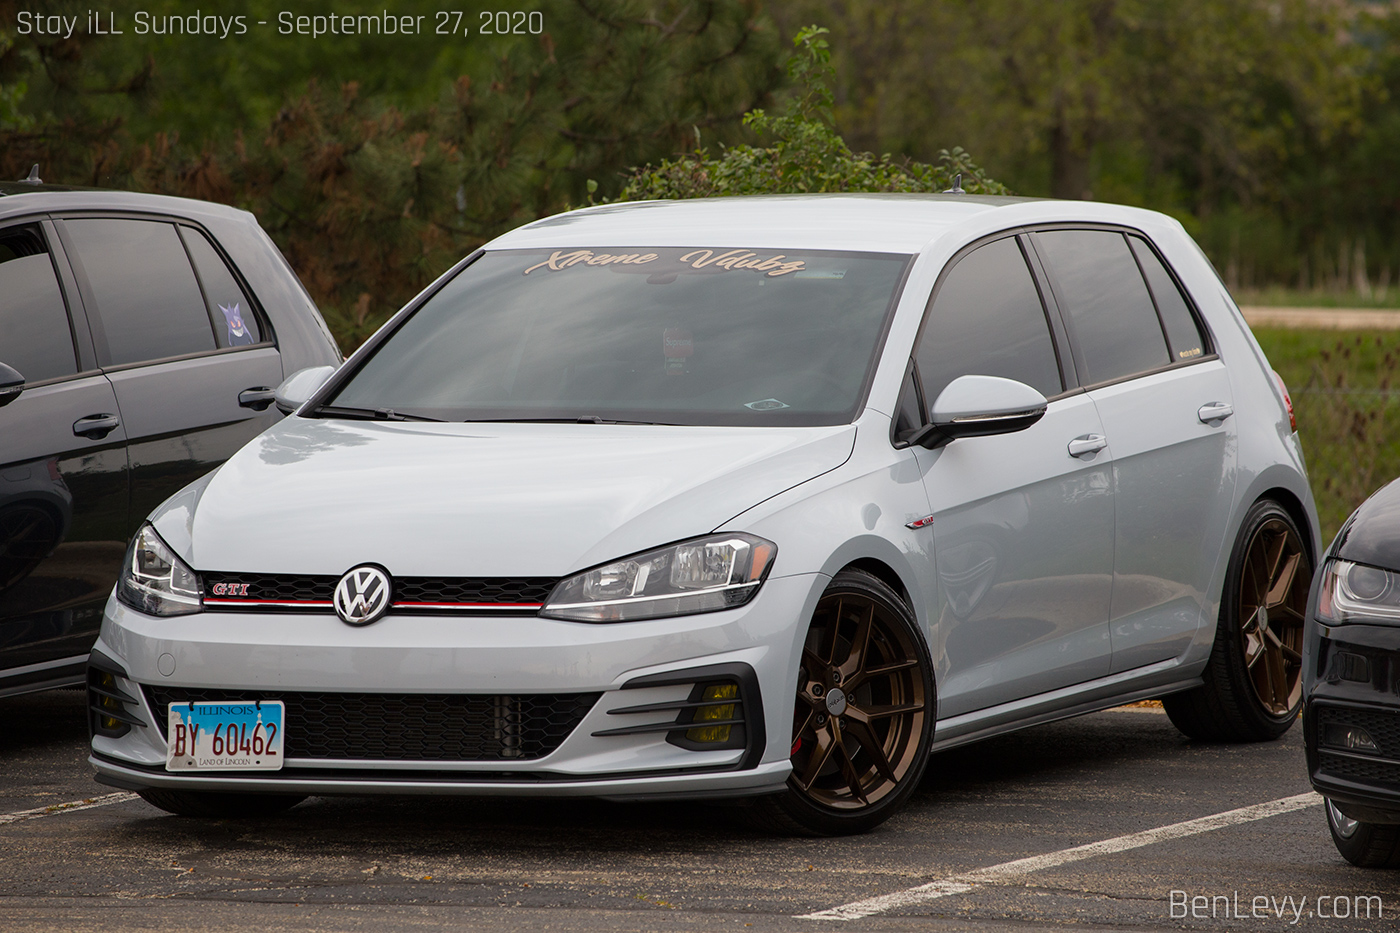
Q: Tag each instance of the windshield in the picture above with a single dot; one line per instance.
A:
(718, 336)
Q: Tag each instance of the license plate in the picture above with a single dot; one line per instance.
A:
(225, 736)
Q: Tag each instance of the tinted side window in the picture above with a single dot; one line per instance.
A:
(234, 322)
(147, 297)
(987, 319)
(1102, 293)
(1183, 333)
(34, 334)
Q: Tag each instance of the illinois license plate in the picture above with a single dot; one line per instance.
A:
(225, 736)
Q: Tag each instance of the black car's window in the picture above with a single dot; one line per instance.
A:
(35, 337)
(1101, 291)
(1182, 331)
(710, 335)
(987, 319)
(235, 325)
(147, 298)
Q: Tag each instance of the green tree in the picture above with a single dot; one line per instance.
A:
(807, 154)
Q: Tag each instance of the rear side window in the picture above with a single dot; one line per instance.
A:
(1183, 333)
(235, 325)
(987, 319)
(1109, 310)
(148, 301)
(35, 337)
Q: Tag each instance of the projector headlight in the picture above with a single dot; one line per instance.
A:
(704, 575)
(1358, 593)
(154, 580)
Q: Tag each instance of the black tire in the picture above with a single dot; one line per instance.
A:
(839, 786)
(1366, 845)
(218, 805)
(1254, 699)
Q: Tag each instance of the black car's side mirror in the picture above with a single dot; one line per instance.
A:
(11, 384)
(978, 406)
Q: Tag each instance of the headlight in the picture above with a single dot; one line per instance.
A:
(717, 572)
(154, 580)
(1358, 593)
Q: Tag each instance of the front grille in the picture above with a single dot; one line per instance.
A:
(289, 592)
(1382, 725)
(407, 727)
(1360, 770)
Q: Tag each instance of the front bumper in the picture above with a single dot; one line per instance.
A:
(626, 745)
(1354, 682)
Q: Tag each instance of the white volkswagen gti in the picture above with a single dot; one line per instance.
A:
(762, 498)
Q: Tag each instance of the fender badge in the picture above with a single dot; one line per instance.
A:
(920, 523)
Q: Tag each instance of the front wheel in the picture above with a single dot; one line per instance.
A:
(864, 714)
(1254, 679)
(1366, 845)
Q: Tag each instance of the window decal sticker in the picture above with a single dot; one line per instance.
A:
(730, 260)
(238, 334)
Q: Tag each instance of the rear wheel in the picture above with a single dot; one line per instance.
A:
(1254, 680)
(1367, 845)
(219, 805)
(864, 714)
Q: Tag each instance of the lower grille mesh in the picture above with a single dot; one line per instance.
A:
(407, 727)
(1360, 770)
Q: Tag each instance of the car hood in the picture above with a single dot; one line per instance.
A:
(319, 496)
(1372, 535)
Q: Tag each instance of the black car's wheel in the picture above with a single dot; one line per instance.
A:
(1367, 845)
(219, 805)
(864, 714)
(1254, 680)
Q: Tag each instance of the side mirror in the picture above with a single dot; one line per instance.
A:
(11, 384)
(300, 386)
(978, 406)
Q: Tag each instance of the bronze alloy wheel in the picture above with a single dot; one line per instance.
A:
(1273, 599)
(1252, 686)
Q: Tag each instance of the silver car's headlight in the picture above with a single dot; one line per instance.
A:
(704, 575)
(1358, 593)
(154, 580)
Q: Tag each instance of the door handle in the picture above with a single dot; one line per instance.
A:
(1086, 444)
(257, 398)
(1213, 413)
(96, 427)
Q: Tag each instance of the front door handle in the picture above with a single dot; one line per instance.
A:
(1086, 444)
(1213, 413)
(257, 398)
(96, 427)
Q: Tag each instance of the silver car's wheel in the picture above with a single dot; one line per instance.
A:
(864, 711)
(1254, 680)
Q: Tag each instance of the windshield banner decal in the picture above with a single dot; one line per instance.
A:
(727, 261)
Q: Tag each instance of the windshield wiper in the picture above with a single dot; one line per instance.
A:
(369, 414)
(581, 419)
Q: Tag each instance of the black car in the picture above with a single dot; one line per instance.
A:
(140, 340)
(1351, 665)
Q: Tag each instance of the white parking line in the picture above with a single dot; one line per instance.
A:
(105, 800)
(961, 884)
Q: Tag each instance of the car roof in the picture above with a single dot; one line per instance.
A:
(18, 198)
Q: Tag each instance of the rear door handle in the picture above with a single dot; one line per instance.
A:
(257, 398)
(1213, 413)
(1086, 444)
(96, 427)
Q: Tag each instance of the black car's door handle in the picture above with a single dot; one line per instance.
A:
(257, 398)
(96, 427)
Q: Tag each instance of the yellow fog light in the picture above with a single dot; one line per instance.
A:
(710, 713)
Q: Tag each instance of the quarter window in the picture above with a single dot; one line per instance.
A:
(35, 337)
(987, 319)
(1183, 333)
(1109, 310)
(148, 301)
(235, 325)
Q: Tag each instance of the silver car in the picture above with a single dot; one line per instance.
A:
(763, 498)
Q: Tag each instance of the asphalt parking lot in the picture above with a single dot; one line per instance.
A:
(381, 864)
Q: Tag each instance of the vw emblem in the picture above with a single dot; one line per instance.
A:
(362, 595)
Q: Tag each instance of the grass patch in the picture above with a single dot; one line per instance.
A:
(1346, 394)
(1278, 297)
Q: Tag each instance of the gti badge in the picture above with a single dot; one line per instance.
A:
(362, 595)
